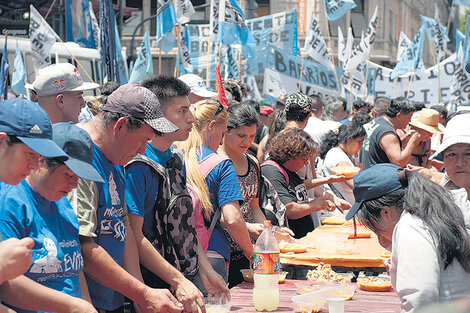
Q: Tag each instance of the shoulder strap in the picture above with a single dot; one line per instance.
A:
(156, 166)
(210, 162)
(280, 168)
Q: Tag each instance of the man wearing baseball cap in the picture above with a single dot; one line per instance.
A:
(198, 88)
(129, 119)
(59, 88)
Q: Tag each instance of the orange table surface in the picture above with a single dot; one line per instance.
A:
(330, 245)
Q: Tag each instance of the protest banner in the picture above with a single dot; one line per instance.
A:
(279, 29)
(460, 84)
(335, 9)
(315, 45)
(79, 23)
(403, 43)
(425, 82)
(283, 72)
(198, 40)
(42, 38)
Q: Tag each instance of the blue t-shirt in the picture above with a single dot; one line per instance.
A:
(57, 260)
(223, 188)
(142, 184)
(110, 229)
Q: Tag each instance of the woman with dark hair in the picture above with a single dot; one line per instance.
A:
(424, 228)
(241, 130)
(336, 149)
(289, 151)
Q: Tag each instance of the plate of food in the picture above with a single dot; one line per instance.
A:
(346, 171)
(374, 283)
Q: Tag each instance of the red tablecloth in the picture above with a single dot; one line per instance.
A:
(363, 301)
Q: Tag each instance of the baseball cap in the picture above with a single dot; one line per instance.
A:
(281, 99)
(266, 110)
(374, 182)
(30, 124)
(141, 103)
(298, 102)
(457, 131)
(197, 85)
(59, 78)
(79, 147)
(428, 119)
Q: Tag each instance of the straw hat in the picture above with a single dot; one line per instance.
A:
(428, 119)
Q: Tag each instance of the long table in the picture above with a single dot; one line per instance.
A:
(330, 245)
(363, 301)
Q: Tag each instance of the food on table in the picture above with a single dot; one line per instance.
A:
(347, 171)
(307, 289)
(217, 308)
(311, 308)
(374, 284)
(359, 234)
(285, 247)
(346, 250)
(324, 274)
(334, 220)
(312, 301)
(343, 291)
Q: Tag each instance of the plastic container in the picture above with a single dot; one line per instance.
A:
(311, 302)
(336, 305)
(217, 304)
(305, 287)
(343, 291)
(374, 283)
(345, 279)
(266, 271)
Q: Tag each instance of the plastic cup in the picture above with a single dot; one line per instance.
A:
(336, 305)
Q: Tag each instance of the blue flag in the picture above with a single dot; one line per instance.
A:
(19, 74)
(166, 21)
(121, 65)
(466, 45)
(107, 42)
(459, 37)
(461, 2)
(230, 63)
(79, 23)
(143, 66)
(430, 25)
(232, 28)
(197, 40)
(411, 58)
(4, 74)
(335, 9)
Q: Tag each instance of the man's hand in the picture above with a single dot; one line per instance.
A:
(336, 179)
(15, 257)
(214, 284)
(341, 204)
(254, 229)
(158, 300)
(191, 298)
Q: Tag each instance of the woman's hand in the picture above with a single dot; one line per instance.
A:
(336, 179)
(255, 229)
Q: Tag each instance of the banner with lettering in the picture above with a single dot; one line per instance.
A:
(283, 72)
(197, 39)
(279, 29)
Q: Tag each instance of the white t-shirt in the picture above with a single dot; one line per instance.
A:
(318, 128)
(332, 159)
(417, 269)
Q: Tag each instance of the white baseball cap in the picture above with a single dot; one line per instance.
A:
(197, 85)
(59, 78)
(457, 131)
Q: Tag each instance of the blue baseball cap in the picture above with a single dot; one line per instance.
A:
(30, 124)
(78, 145)
(374, 182)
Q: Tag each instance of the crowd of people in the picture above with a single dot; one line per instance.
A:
(149, 197)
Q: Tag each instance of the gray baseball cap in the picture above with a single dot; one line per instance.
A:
(141, 103)
(59, 78)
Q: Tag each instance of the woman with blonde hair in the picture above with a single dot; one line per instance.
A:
(215, 183)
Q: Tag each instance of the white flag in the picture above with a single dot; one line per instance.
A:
(349, 44)
(341, 46)
(95, 25)
(253, 87)
(214, 21)
(184, 9)
(42, 38)
(440, 40)
(364, 48)
(184, 53)
(315, 45)
(403, 43)
(459, 93)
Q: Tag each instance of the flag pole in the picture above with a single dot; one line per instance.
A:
(350, 93)
(240, 65)
(177, 67)
(220, 54)
(433, 52)
(411, 80)
(330, 49)
(396, 86)
(160, 57)
(301, 72)
(367, 76)
(208, 65)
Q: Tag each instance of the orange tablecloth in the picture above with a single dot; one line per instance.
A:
(332, 246)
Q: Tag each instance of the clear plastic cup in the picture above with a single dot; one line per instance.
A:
(336, 305)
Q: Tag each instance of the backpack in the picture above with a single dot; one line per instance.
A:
(173, 211)
(269, 195)
(204, 233)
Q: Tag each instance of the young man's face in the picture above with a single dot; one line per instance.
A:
(179, 114)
